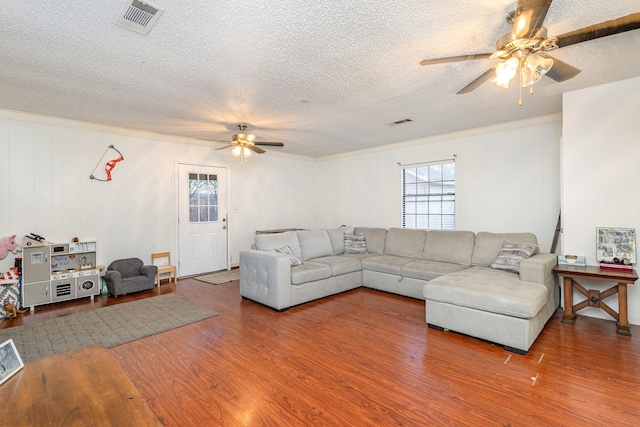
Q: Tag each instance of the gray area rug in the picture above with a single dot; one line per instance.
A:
(112, 325)
(219, 277)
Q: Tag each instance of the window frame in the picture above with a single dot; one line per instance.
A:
(428, 199)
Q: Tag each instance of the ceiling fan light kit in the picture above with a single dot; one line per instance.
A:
(522, 50)
(243, 153)
(244, 144)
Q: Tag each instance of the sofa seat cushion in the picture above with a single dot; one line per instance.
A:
(429, 270)
(487, 289)
(385, 264)
(340, 264)
(309, 272)
(360, 257)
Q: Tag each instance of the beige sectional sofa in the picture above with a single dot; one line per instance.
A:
(450, 270)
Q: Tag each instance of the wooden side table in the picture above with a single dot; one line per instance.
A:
(594, 297)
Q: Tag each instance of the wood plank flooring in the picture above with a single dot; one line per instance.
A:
(367, 358)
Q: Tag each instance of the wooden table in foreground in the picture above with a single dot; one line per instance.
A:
(81, 387)
(594, 297)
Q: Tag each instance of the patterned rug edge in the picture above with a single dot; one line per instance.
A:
(220, 277)
(33, 340)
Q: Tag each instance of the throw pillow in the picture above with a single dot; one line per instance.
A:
(287, 251)
(354, 244)
(512, 254)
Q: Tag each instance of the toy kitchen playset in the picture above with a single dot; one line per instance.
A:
(58, 272)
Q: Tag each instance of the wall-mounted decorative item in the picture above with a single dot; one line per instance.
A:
(10, 360)
(616, 245)
(109, 166)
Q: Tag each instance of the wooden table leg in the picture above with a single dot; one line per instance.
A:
(623, 319)
(569, 316)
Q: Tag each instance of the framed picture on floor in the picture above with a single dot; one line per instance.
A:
(10, 361)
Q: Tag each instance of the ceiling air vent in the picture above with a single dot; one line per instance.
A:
(399, 122)
(139, 16)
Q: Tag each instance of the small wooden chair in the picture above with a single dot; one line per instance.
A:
(164, 266)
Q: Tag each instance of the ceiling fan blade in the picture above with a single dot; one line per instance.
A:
(603, 29)
(455, 59)
(256, 149)
(529, 17)
(273, 144)
(560, 71)
(226, 146)
(477, 82)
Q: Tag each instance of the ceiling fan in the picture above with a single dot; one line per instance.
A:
(244, 144)
(523, 49)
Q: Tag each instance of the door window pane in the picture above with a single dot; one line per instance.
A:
(203, 197)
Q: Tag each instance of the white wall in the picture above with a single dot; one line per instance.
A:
(507, 180)
(600, 168)
(45, 165)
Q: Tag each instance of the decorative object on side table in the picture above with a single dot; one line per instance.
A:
(576, 260)
(616, 248)
(10, 361)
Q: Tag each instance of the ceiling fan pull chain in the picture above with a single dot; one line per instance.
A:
(520, 83)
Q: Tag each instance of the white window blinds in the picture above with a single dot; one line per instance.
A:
(429, 195)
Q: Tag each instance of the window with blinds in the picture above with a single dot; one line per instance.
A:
(429, 196)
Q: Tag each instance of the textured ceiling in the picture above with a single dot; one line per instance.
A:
(323, 76)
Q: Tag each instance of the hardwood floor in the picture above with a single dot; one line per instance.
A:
(367, 358)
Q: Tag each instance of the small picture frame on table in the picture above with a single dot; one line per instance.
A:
(616, 245)
(10, 360)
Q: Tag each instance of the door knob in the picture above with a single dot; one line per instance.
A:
(224, 227)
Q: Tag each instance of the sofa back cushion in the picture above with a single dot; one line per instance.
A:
(454, 246)
(314, 243)
(336, 236)
(488, 245)
(405, 242)
(129, 267)
(267, 242)
(375, 238)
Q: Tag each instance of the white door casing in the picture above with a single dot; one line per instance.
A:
(202, 218)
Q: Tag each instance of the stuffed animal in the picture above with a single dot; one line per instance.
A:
(11, 309)
(8, 244)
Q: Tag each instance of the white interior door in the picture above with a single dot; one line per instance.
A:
(202, 217)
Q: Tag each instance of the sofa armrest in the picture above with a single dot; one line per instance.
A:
(150, 271)
(113, 276)
(539, 269)
(265, 277)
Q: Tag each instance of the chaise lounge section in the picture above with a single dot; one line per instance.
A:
(451, 270)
